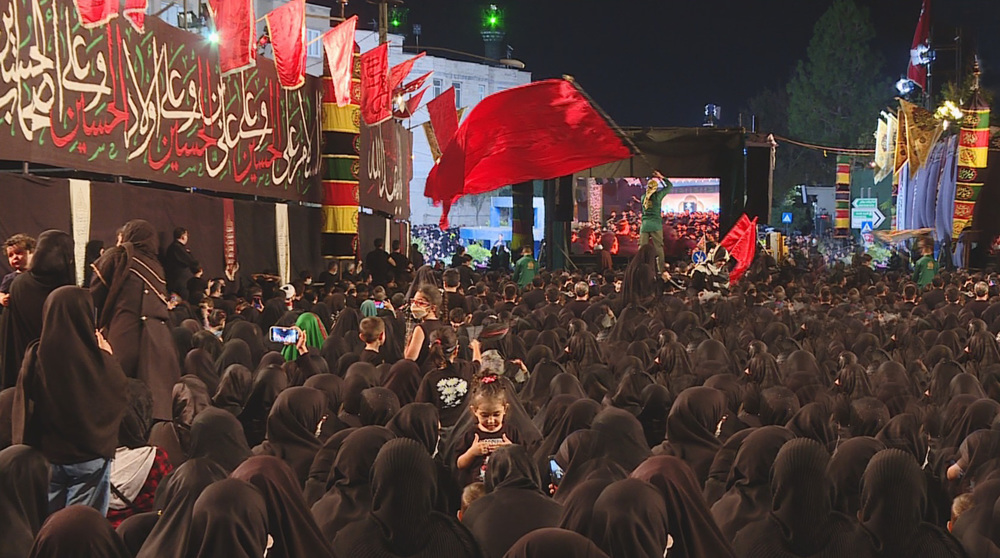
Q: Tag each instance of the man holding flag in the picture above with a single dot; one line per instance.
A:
(651, 229)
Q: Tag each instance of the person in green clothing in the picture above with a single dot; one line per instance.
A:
(651, 230)
(312, 330)
(526, 268)
(926, 268)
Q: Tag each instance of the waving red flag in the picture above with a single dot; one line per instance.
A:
(542, 130)
(917, 72)
(135, 13)
(399, 72)
(236, 25)
(94, 13)
(444, 119)
(375, 93)
(741, 243)
(287, 29)
(338, 43)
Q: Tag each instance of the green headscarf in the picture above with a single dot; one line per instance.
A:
(315, 335)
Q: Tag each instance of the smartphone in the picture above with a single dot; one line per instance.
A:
(284, 335)
(555, 471)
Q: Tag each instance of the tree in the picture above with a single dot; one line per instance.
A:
(836, 93)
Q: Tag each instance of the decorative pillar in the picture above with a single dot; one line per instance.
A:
(973, 150)
(341, 168)
(842, 222)
(522, 216)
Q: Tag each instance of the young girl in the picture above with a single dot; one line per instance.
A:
(424, 308)
(447, 385)
(488, 404)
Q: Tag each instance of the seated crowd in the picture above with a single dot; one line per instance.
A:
(455, 414)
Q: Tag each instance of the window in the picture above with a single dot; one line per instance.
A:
(438, 87)
(482, 91)
(458, 93)
(315, 49)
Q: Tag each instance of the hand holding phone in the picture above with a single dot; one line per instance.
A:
(284, 335)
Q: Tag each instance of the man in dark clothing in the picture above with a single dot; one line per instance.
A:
(453, 298)
(401, 264)
(329, 277)
(500, 256)
(459, 258)
(179, 264)
(982, 301)
(582, 292)
(379, 264)
(509, 299)
(935, 296)
(536, 295)
(416, 258)
(552, 305)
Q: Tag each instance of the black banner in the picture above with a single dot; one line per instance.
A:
(386, 169)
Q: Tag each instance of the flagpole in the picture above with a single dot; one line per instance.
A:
(610, 121)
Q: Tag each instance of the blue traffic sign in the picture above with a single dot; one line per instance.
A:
(866, 227)
(699, 257)
(786, 218)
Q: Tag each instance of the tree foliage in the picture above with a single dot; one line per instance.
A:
(836, 93)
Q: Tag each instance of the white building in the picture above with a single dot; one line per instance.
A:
(472, 81)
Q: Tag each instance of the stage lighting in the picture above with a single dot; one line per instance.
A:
(905, 86)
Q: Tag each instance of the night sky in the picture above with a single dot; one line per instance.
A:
(659, 62)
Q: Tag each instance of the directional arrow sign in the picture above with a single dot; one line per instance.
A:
(865, 203)
(864, 215)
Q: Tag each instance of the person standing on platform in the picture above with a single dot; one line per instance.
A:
(179, 264)
(525, 269)
(926, 268)
(379, 264)
(651, 230)
(131, 298)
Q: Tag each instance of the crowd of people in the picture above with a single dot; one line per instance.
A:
(805, 411)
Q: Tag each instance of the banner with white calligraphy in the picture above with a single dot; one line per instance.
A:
(151, 106)
(385, 169)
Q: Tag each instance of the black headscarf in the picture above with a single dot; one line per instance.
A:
(378, 406)
(718, 474)
(689, 521)
(904, 432)
(554, 543)
(290, 523)
(189, 398)
(251, 335)
(512, 483)
(134, 428)
(419, 422)
(291, 429)
(78, 390)
(401, 522)
(630, 519)
(620, 438)
(234, 389)
(268, 383)
(6, 417)
(200, 363)
(656, 401)
(183, 339)
(813, 422)
(52, 266)
(139, 242)
(893, 496)
(404, 380)
(748, 498)
(235, 351)
(175, 498)
(348, 496)
(78, 531)
(218, 435)
(845, 469)
(208, 342)
(578, 416)
(691, 427)
(24, 498)
(535, 392)
(229, 519)
(332, 386)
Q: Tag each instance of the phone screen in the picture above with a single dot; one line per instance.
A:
(555, 471)
(284, 335)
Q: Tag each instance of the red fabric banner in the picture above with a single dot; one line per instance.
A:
(416, 84)
(444, 119)
(399, 72)
(921, 40)
(94, 13)
(375, 93)
(236, 25)
(741, 243)
(542, 130)
(287, 28)
(414, 102)
(135, 13)
(338, 43)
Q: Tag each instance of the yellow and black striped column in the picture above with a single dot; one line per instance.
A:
(341, 169)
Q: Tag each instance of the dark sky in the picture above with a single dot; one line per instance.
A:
(659, 62)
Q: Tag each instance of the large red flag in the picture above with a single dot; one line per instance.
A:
(235, 24)
(917, 72)
(135, 13)
(405, 108)
(399, 72)
(94, 13)
(542, 130)
(339, 46)
(444, 119)
(741, 243)
(376, 102)
(287, 29)
(415, 84)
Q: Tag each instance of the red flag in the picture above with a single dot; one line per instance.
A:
(917, 72)
(339, 46)
(236, 25)
(444, 119)
(399, 72)
(287, 28)
(94, 13)
(541, 130)
(375, 93)
(741, 243)
(405, 108)
(415, 84)
(135, 13)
